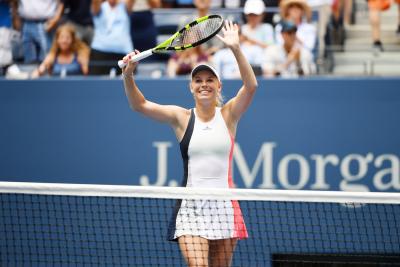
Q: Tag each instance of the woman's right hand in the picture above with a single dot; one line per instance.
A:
(131, 66)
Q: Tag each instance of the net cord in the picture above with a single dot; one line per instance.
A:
(199, 193)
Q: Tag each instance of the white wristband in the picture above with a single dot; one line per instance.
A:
(127, 75)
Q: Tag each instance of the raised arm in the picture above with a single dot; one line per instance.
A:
(238, 105)
(175, 116)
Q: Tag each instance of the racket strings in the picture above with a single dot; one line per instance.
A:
(198, 32)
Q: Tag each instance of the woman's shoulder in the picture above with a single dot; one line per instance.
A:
(180, 111)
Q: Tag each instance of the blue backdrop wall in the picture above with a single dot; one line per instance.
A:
(323, 134)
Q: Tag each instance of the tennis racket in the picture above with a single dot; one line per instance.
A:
(193, 34)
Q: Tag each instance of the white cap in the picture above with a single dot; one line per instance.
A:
(254, 7)
(204, 66)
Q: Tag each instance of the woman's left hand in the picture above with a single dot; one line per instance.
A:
(230, 35)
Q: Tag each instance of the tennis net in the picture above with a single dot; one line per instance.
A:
(104, 225)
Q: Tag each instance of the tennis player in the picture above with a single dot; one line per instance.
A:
(207, 231)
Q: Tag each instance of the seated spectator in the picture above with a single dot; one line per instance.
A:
(39, 19)
(80, 17)
(299, 12)
(225, 63)
(182, 62)
(143, 28)
(68, 55)
(289, 59)
(112, 39)
(6, 32)
(257, 32)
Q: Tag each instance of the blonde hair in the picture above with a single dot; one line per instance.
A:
(77, 46)
(220, 100)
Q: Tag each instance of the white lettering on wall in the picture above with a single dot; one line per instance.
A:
(348, 178)
(320, 169)
(393, 171)
(353, 170)
(162, 165)
(265, 155)
(283, 168)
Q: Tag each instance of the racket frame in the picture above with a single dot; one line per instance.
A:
(165, 46)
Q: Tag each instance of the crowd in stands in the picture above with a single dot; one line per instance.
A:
(88, 37)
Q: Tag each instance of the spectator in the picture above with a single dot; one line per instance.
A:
(289, 59)
(339, 12)
(347, 11)
(375, 9)
(78, 14)
(68, 55)
(324, 8)
(39, 19)
(398, 19)
(257, 32)
(299, 12)
(7, 34)
(112, 40)
(225, 64)
(182, 63)
(143, 29)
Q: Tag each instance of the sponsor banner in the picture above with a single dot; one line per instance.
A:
(319, 134)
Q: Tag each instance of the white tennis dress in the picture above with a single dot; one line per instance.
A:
(207, 149)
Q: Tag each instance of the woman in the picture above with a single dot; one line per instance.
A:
(299, 12)
(111, 39)
(67, 56)
(143, 28)
(254, 30)
(206, 134)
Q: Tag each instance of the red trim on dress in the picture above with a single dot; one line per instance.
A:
(240, 230)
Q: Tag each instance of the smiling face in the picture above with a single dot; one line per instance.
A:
(205, 87)
(64, 40)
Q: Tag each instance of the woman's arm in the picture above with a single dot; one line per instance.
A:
(238, 105)
(44, 67)
(52, 22)
(175, 116)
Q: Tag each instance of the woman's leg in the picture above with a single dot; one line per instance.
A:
(221, 252)
(195, 250)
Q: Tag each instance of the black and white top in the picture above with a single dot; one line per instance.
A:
(207, 151)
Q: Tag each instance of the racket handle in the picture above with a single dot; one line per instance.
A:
(137, 57)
